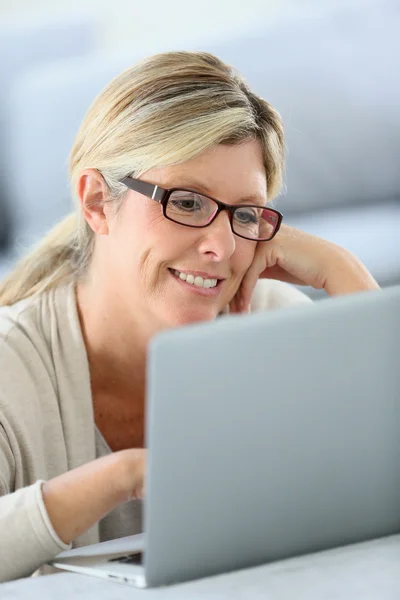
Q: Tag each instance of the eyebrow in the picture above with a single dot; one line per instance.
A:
(201, 187)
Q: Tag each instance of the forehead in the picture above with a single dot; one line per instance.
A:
(230, 173)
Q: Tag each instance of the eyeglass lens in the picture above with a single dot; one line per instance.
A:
(196, 210)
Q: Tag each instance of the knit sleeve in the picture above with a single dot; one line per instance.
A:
(271, 294)
(27, 538)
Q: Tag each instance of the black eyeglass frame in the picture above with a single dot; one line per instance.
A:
(161, 195)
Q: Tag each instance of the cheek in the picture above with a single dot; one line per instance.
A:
(244, 255)
(145, 241)
(137, 227)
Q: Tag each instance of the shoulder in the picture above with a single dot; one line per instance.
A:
(25, 380)
(39, 362)
(24, 333)
(30, 327)
(19, 333)
(35, 336)
(11, 317)
(25, 364)
(271, 294)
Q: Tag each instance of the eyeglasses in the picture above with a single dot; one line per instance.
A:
(192, 209)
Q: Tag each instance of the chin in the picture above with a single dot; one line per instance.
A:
(189, 317)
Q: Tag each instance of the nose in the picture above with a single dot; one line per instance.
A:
(218, 240)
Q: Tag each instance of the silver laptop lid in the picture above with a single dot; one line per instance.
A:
(272, 435)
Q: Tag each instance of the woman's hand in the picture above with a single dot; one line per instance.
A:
(135, 472)
(300, 258)
(79, 498)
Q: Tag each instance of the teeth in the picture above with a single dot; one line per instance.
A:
(197, 281)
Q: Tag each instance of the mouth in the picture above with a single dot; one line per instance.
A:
(201, 282)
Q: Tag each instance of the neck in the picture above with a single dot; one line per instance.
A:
(116, 344)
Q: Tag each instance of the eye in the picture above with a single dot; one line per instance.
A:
(186, 202)
(246, 216)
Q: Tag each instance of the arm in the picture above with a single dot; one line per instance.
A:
(300, 258)
(80, 498)
(347, 274)
(39, 521)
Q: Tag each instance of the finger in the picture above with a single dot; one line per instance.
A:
(248, 284)
(234, 305)
(225, 310)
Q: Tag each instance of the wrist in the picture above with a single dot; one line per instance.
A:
(348, 275)
(128, 474)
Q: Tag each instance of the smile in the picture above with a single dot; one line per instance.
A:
(195, 280)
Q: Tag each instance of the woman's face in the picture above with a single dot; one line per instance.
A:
(143, 251)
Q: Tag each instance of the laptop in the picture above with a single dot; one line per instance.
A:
(270, 435)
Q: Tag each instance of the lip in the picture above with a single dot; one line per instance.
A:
(193, 289)
(202, 274)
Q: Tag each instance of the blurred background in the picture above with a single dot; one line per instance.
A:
(331, 68)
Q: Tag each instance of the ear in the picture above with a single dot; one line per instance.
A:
(92, 192)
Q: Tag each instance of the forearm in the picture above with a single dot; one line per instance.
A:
(347, 275)
(78, 499)
(27, 540)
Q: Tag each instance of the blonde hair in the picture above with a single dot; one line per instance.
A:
(164, 110)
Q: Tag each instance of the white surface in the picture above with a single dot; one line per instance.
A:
(369, 571)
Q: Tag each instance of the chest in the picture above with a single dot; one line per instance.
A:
(120, 421)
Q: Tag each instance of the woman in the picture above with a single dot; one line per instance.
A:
(172, 169)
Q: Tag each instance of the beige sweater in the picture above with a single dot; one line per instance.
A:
(46, 418)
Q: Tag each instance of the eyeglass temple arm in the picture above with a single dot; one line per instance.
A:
(147, 189)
